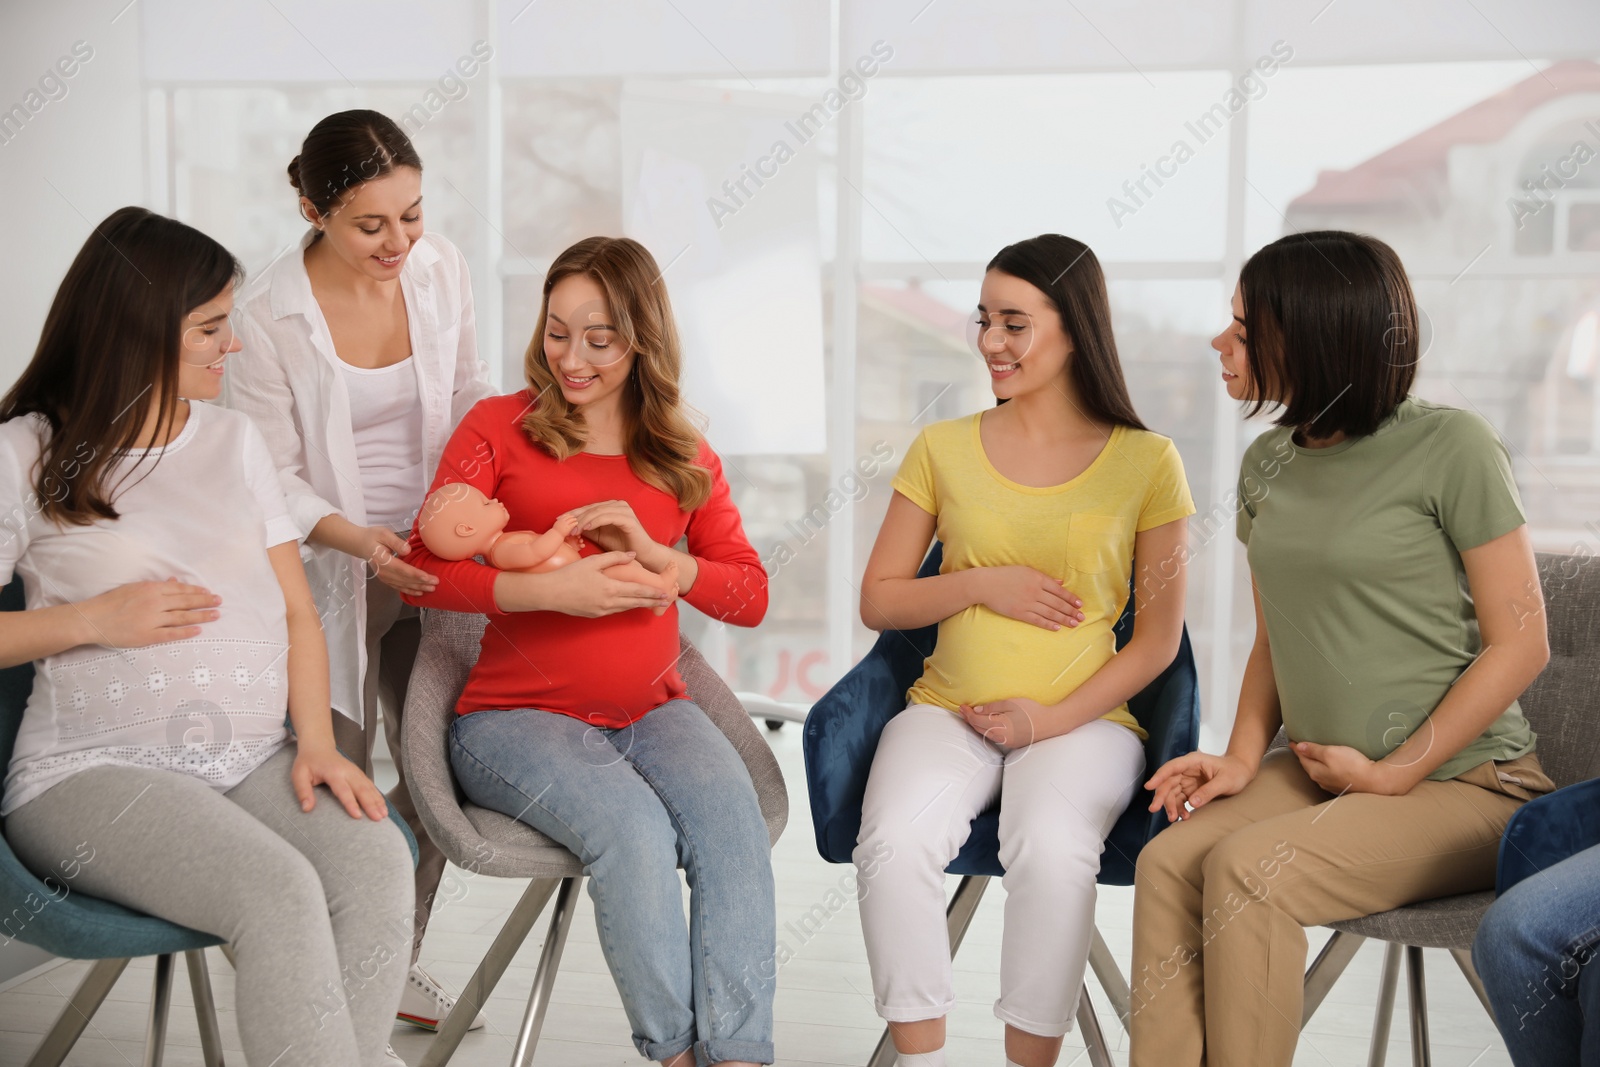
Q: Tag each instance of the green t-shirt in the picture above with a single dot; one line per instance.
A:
(1356, 552)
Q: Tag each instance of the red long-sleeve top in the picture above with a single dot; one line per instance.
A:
(607, 671)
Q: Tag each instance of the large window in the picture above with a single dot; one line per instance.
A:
(825, 287)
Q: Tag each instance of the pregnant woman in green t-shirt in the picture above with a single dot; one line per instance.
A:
(1398, 618)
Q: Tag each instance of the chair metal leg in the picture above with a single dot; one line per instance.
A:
(1463, 958)
(1094, 1038)
(74, 1018)
(1110, 977)
(1417, 993)
(1326, 969)
(884, 1055)
(1383, 1019)
(160, 1003)
(957, 917)
(205, 1008)
(487, 976)
(544, 979)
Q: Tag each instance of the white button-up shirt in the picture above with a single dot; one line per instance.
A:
(288, 379)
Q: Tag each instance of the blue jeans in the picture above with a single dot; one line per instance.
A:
(634, 803)
(1535, 952)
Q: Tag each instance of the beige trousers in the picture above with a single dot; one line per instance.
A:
(1223, 898)
(394, 629)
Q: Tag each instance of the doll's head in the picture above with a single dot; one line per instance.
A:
(459, 522)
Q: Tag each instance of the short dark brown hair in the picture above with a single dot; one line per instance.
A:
(1331, 331)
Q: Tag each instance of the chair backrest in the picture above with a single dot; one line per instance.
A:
(1563, 703)
(448, 650)
(842, 731)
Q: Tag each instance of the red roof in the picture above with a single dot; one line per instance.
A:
(1418, 165)
(913, 302)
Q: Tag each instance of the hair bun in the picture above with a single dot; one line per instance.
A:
(344, 151)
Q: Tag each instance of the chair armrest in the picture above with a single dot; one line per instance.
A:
(1169, 710)
(841, 737)
(1547, 830)
(711, 694)
(445, 656)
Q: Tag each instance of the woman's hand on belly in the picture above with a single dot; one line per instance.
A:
(1342, 769)
(147, 613)
(1015, 722)
(1029, 596)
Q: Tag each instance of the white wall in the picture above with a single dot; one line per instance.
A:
(71, 163)
(62, 170)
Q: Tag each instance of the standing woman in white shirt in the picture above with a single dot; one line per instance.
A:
(360, 356)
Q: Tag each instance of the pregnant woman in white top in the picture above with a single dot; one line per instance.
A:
(172, 628)
(360, 356)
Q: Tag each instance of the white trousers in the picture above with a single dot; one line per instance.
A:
(1059, 798)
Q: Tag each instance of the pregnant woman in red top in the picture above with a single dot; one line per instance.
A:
(581, 726)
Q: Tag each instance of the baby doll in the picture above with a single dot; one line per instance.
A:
(459, 522)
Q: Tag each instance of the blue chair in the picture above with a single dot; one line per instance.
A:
(1547, 830)
(80, 927)
(841, 736)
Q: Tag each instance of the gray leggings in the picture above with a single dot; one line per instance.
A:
(317, 905)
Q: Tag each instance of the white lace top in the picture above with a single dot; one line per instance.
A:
(204, 509)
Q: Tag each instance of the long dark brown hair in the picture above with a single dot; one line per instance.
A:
(110, 347)
(659, 440)
(1067, 272)
(345, 150)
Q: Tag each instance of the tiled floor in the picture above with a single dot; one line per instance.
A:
(824, 1007)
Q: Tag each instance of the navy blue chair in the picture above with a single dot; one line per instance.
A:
(51, 915)
(1547, 830)
(841, 736)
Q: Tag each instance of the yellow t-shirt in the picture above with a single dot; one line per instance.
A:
(1081, 531)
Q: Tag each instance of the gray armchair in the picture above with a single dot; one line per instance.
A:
(1561, 706)
(490, 843)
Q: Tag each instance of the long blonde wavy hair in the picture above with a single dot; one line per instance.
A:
(659, 438)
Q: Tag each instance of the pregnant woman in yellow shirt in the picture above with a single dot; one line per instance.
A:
(1042, 504)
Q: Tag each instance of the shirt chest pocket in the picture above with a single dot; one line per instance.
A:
(1097, 544)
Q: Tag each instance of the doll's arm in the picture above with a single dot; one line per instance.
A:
(524, 550)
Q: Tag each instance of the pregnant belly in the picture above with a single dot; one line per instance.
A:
(982, 656)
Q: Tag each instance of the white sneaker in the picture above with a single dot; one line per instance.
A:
(425, 1002)
(390, 1059)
